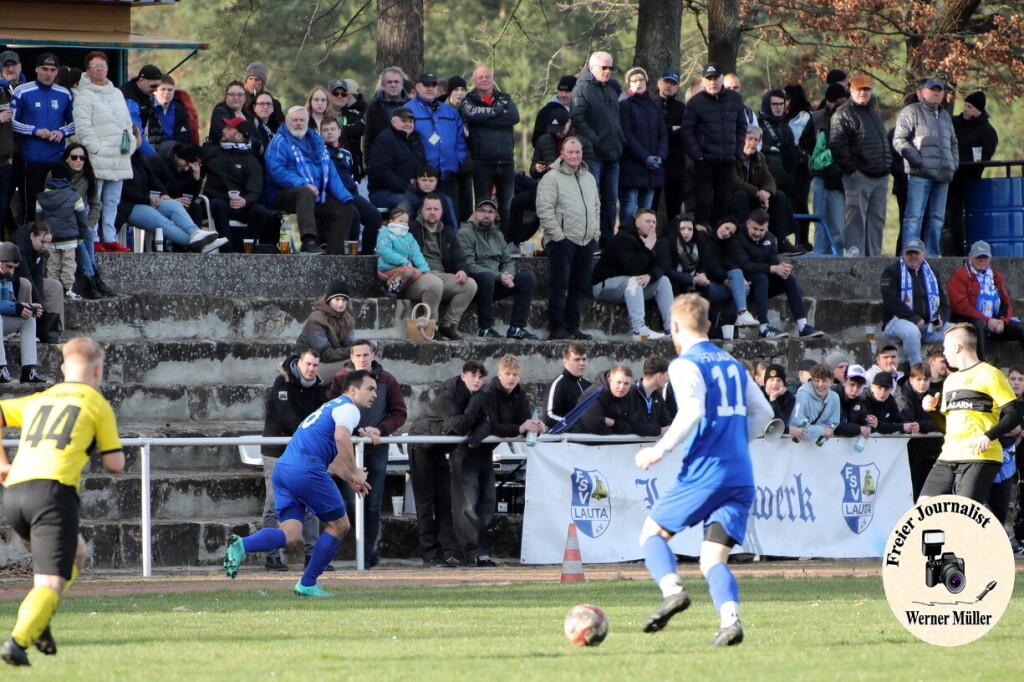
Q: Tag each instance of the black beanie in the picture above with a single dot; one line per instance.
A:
(835, 76)
(456, 82)
(835, 91)
(978, 99)
(337, 288)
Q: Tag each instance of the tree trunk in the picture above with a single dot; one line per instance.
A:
(658, 28)
(400, 35)
(723, 34)
(953, 17)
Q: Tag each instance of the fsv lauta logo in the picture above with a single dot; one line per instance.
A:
(591, 508)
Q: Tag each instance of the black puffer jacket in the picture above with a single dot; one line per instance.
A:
(707, 261)
(232, 169)
(754, 257)
(628, 412)
(491, 138)
(858, 140)
(287, 402)
(714, 126)
(378, 119)
(175, 183)
(595, 116)
(627, 256)
(452, 413)
(505, 411)
(394, 160)
(33, 263)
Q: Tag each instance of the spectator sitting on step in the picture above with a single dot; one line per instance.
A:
(426, 183)
(33, 240)
(978, 295)
(817, 407)
(779, 397)
(632, 269)
(886, 359)
(17, 315)
(179, 168)
(722, 237)
(366, 221)
(398, 248)
(145, 204)
(301, 179)
(329, 329)
(296, 393)
(915, 304)
(883, 414)
(565, 390)
(618, 409)
(695, 266)
(487, 255)
(234, 186)
(395, 158)
(387, 414)
(755, 188)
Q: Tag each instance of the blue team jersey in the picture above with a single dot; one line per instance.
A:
(313, 443)
(716, 453)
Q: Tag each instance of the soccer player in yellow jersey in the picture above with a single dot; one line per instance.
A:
(59, 428)
(979, 407)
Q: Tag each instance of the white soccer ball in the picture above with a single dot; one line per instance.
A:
(586, 625)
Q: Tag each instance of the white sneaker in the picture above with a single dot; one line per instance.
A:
(745, 319)
(201, 237)
(645, 333)
(72, 295)
(215, 244)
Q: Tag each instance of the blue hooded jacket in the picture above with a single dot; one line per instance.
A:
(293, 163)
(444, 140)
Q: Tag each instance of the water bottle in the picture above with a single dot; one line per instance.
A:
(531, 437)
(858, 445)
(158, 240)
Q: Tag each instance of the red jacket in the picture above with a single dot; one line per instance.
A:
(963, 290)
(390, 414)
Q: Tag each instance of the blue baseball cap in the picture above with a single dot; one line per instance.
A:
(671, 75)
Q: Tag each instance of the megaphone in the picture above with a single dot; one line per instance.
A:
(773, 431)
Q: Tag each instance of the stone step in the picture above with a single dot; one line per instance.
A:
(305, 276)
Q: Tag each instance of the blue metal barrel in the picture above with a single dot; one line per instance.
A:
(994, 211)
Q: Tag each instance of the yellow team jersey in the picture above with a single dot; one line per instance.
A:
(59, 428)
(971, 401)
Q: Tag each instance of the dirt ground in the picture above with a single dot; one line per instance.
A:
(203, 579)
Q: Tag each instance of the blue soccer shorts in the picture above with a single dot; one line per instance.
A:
(298, 488)
(682, 506)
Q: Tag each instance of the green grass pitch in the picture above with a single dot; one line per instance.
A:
(796, 629)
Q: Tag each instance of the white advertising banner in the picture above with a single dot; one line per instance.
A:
(810, 501)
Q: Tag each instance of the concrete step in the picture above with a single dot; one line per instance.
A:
(304, 276)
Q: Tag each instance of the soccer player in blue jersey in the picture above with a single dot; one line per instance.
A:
(322, 445)
(720, 409)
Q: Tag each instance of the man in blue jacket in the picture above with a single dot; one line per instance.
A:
(440, 127)
(42, 116)
(301, 179)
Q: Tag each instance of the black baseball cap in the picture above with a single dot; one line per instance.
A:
(47, 59)
(426, 79)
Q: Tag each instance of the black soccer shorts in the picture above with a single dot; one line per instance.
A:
(45, 514)
(967, 479)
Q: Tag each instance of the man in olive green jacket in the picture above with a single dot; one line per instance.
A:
(569, 211)
(489, 263)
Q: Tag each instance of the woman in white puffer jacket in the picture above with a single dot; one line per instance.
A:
(104, 126)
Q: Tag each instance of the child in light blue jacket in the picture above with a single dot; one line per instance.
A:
(396, 247)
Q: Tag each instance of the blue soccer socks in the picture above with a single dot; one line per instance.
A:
(323, 553)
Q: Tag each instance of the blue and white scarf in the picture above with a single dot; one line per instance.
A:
(931, 288)
(988, 299)
(303, 151)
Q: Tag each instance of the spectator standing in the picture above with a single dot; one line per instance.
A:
(886, 360)
(442, 253)
(641, 170)
(489, 262)
(567, 388)
(507, 410)
(234, 186)
(65, 212)
(977, 141)
(926, 140)
(779, 147)
(393, 162)
(451, 413)
(915, 304)
(860, 148)
(557, 108)
(672, 111)
(42, 118)
(138, 97)
(798, 118)
(883, 413)
(10, 71)
(17, 315)
(296, 393)
(978, 296)
(937, 367)
(595, 116)
(714, 130)
(568, 210)
(383, 418)
(441, 129)
(632, 270)
(329, 329)
(754, 251)
(921, 452)
(351, 108)
(301, 178)
(380, 110)
(490, 116)
(651, 390)
(828, 199)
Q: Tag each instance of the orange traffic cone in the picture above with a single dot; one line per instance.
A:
(572, 562)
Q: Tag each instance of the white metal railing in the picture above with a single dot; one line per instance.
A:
(145, 458)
